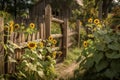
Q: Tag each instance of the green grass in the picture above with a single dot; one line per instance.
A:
(72, 55)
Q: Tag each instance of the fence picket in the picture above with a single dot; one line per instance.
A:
(33, 36)
(38, 35)
(1, 46)
(29, 37)
(23, 37)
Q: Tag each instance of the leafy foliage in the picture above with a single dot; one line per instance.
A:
(38, 60)
(102, 55)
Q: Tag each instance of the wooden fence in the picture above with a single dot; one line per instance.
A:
(43, 33)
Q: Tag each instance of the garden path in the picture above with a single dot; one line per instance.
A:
(65, 71)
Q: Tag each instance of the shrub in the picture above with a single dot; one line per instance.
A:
(102, 55)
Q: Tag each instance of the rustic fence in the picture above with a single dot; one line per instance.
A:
(43, 33)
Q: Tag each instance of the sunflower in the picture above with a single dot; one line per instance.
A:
(41, 44)
(6, 28)
(85, 43)
(50, 38)
(54, 41)
(97, 21)
(16, 26)
(90, 20)
(32, 45)
(32, 25)
(118, 28)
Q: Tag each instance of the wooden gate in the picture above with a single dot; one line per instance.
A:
(43, 33)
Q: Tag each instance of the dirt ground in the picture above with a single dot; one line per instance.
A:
(65, 71)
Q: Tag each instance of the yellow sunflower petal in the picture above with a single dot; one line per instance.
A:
(11, 29)
(54, 54)
(11, 23)
(41, 44)
(90, 20)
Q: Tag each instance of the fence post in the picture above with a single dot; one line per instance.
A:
(1, 45)
(65, 38)
(78, 31)
(48, 20)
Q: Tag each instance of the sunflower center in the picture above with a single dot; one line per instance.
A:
(118, 27)
(96, 21)
(16, 26)
(32, 45)
(6, 29)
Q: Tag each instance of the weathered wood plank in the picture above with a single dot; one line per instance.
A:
(48, 20)
(1, 46)
(38, 35)
(78, 31)
(56, 35)
(65, 38)
(57, 20)
(72, 33)
(56, 48)
(15, 37)
(41, 30)
(23, 37)
(33, 36)
(70, 44)
(29, 37)
(12, 36)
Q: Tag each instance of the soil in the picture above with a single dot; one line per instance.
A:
(65, 71)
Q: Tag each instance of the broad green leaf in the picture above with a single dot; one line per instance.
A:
(114, 46)
(100, 46)
(49, 49)
(22, 74)
(5, 46)
(109, 73)
(88, 63)
(11, 59)
(101, 65)
(107, 39)
(101, 32)
(40, 73)
(113, 55)
(39, 56)
(10, 48)
(44, 52)
(115, 65)
(97, 57)
(32, 67)
(14, 45)
(118, 33)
